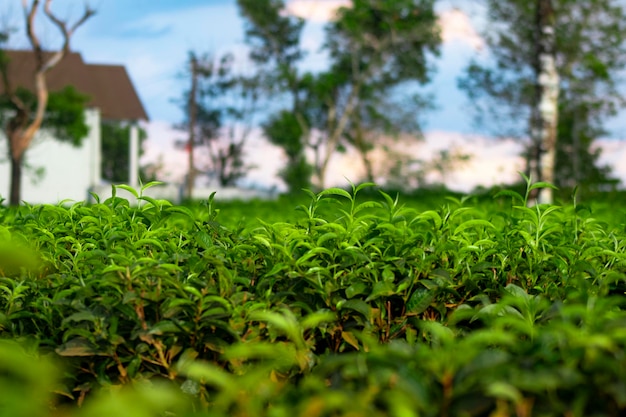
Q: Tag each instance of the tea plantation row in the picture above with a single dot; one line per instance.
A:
(356, 307)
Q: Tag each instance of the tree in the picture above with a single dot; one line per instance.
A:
(30, 112)
(274, 40)
(529, 41)
(381, 117)
(374, 47)
(284, 129)
(221, 107)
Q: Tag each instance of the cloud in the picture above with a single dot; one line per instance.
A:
(457, 27)
(493, 161)
(613, 154)
(320, 11)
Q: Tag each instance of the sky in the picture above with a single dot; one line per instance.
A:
(152, 39)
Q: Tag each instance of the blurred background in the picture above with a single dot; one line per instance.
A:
(282, 95)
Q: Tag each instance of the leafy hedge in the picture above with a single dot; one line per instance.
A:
(359, 307)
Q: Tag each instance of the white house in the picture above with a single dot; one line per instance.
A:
(67, 172)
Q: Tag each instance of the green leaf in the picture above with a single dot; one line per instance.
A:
(128, 188)
(204, 239)
(381, 289)
(388, 275)
(420, 300)
(473, 223)
(209, 374)
(80, 316)
(542, 184)
(517, 291)
(431, 215)
(148, 242)
(163, 327)
(364, 185)
(504, 390)
(336, 191)
(181, 210)
(193, 290)
(508, 193)
(326, 237)
(151, 184)
(313, 320)
(359, 287)
(275, 270)
(359, 306)
(367, 205)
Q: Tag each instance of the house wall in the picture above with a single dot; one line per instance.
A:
(69, 172)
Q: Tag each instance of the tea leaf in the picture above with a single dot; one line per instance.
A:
(420, 300)
(77, 347)
(357, 305)
(335, 191)
(127, 188)
(381, 288)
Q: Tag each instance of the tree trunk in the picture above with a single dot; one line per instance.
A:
(367, 163)
(192, 109)
(15, 181)
(548, 95)
(337, 131)
(362, 148)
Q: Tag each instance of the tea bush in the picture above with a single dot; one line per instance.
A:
(355, 306)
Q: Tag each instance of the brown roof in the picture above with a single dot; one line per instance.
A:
(108, 86)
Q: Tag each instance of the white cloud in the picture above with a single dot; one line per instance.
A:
(316, 10)
(457, 27)
(493, 161)
(614, 155)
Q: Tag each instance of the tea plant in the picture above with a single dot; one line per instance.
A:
(355, 305)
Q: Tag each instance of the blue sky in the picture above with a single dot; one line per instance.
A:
(152, 39)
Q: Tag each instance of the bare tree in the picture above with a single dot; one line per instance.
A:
(24, 124)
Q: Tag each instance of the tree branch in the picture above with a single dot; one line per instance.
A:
(43, 66)
(67, 33)
(30, 29)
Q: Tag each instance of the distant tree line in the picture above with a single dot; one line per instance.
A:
(550, 77)
(574, 48)
(379, 53)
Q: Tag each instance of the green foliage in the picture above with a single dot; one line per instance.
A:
(392, 39)
(297, 174)
(274, 35)
(284, 130)
(115, 156)
(354, 304)
(65, 115)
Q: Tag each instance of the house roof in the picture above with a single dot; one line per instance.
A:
(108, 86)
